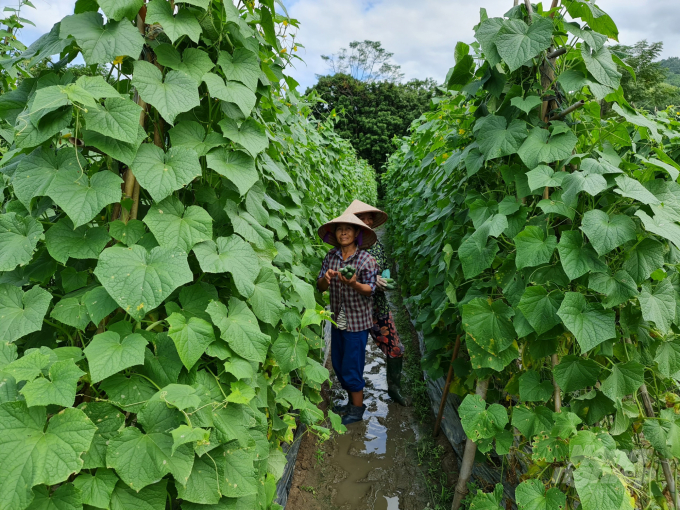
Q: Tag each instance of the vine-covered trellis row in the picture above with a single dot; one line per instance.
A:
(539, 218)
(159, 337)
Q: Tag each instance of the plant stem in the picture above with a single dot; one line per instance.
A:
(445, 393)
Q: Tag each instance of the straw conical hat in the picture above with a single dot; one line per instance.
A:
(327, 231)
(358, 207)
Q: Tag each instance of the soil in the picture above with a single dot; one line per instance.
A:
(377, 464)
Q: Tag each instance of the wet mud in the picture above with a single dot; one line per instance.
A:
(374, 465)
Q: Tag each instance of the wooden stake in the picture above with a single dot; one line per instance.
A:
(445, 393)
(468, 457)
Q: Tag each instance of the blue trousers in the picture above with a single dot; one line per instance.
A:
(348, 355)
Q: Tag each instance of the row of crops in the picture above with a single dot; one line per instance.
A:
(159, 335)
(536, 218)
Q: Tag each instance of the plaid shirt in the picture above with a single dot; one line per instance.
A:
(358, 308)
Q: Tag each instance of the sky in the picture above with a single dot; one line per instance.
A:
(422, 34)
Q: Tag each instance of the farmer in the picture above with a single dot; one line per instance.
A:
(383, 331)
(351, 305)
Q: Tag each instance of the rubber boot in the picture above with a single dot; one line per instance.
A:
(394, 366)
(343, 409)
(354, 415)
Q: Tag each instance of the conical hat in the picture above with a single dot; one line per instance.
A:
(327, 231)
(358, 207)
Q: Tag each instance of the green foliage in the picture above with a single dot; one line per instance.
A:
(158, 337)
(369, 115)
(551, 247)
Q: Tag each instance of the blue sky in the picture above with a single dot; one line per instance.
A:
(421, 33)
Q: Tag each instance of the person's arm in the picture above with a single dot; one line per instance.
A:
(323, 281)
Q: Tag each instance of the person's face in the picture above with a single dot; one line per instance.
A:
(367, 218)
(346, 234)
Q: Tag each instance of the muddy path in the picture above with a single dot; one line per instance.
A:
(386, 462)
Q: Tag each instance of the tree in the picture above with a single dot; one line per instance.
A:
(365, 61)
(672, 66)
(371, 114)
(647, 88)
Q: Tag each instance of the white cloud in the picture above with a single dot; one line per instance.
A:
(422, 34)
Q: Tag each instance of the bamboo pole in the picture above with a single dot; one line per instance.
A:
(557, 394)
(468, 457)
(445, 393)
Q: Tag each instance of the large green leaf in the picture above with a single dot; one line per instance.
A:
(171, 96)
(230, 255)
(659, 304)
(153, 497)
(532, 495)
(100, 43)
(83, 198)
(72, 311)
(576, 182)
(624, 379)
(617, 289)
(266, 299)
(576, 373)
(202, 486)
(540, 307)
(123, 152)
(290, 351)
(117, 10)
(28, 134)
(174, 225)
(161, 173)
(139, 280)
(480, 422)
(518, 42)
(108, 354)
(19, 236)
(632, 188)
(661, 226)
(477, 252)
(99, 304)
(118, 119)
(21, 312)
(36, 171)
(237, 166)
(590, 325)
(64, 242)
(577, 258)
(232, 92)
(489, 325)
(127, 233)
(32, 453)
(598, 488)
(532, 421)
(191, 337)
(96, 489)
(65, 497)
(251, 135)
(240, 329)
(526, 104)
(242, 66)
(597, 19)
(531, 389)
(486, 33)
(537, 148)
(192, 135)
(600, 64)
(543, 175)
(668, 358)
(607, 232)
(143, 459)
(495, 139)
(174, 26)
(533, 247)
(192, 61)
(59, 389)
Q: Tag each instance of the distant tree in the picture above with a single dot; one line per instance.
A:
(371, 114)
(672, 66)
(648, 89)
(365, 61)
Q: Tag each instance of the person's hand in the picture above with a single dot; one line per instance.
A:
(330, 274)
(380, 283)
(345, 281)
